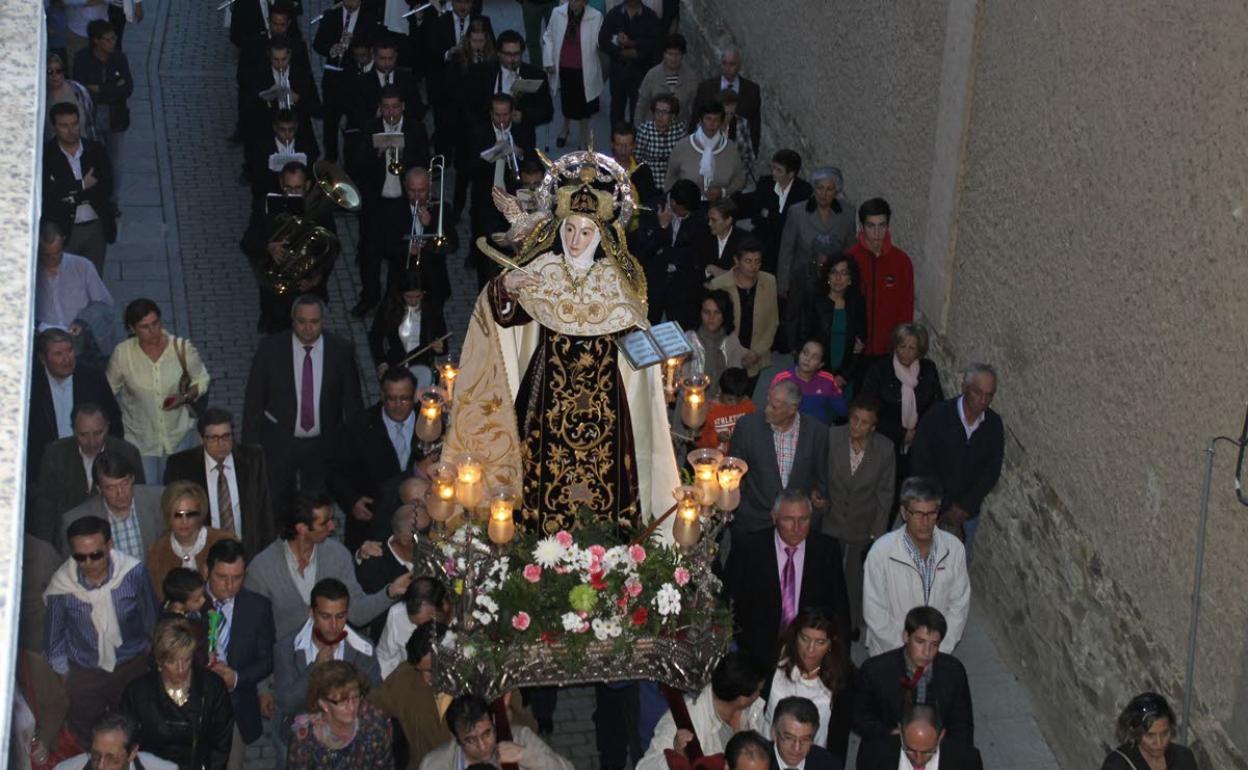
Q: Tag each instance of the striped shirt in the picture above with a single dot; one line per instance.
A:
(655, 147)
(127, 537)
(925, 567)
(71, 635)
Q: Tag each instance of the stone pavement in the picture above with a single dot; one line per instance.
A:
(183, 216)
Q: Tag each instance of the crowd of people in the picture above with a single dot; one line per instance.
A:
(183, 582)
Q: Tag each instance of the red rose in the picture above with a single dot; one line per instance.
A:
(640, 615)
(596, 580)
(549, 638)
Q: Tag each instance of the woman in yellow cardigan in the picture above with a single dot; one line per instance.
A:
(755, 310)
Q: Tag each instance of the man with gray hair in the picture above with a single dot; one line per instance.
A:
(749, 95)
(784, 451)
(913, 566)
(961, 444)
(919, 744)
(793, 731)
(772, 574)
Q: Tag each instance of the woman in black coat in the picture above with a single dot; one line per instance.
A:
(1145, 728)
(837, 317)
(884, 381)
(407, 320)
(183, 710)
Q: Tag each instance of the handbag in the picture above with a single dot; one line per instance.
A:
(185, 382)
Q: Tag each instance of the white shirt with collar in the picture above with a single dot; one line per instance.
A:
(932, 764)
(318, 369)
(349, 18)
(722, 243)
(149, 762)
(88, 464)
(969, 427)
(782, 195)
(304, 581)
(400, 435)
(85, 212)
(506, 79)
(305, 643)
(62, 403)
(210, 475)
(384, 78)
(784, 766)
(733, 85)
(392, 648)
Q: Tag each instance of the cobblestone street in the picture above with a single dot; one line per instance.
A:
(184, 214)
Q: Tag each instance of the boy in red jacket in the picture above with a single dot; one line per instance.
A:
(887, 276)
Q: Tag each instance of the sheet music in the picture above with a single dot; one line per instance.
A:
(276, 93)
(384, 141)
(278, 160)
(501, 149)
(522, 86)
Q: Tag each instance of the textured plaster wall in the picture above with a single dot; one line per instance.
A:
(1097, 233)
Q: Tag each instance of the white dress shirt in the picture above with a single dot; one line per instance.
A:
(723, 242)
(392, 649)
(733, 85)
(786, 766)
(409, 329)
(932, 764)
(969, 427)
(210, 475)
(318, 369)
(226, 608)
(88, 464)
(62, 403)
(506, 79)
(305, 642)
(782, 195)
(400, 434)
(304, 581)
(85, 212)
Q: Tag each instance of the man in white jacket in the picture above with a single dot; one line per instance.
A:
(912, 566)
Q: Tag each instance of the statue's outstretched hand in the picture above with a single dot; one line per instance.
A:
(516, 281)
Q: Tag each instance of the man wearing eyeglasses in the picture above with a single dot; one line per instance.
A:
(131, 510)
(101, 611)
(913, 566)
(793, 730)
(235, 478)
(922, 744)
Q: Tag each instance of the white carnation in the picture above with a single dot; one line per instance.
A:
(469, 652)
(667, 600)
(572, 622)
(606, 629)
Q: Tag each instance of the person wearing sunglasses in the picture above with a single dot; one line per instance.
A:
(186, 543)
(101, 609)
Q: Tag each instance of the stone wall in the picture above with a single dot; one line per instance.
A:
(1092, 211)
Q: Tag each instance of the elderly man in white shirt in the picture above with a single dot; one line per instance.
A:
(70, 295)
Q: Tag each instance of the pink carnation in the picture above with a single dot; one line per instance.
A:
(597, 552)
(532, 573)
(637, 554)
(520, 621)
(681, 576)
(633, 587)
(563, 538)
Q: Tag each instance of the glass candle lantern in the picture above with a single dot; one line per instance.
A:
(502, 527)
(705, 464)
(687, 527)
(731, 471)
(470, 483)
(429, 421)
(440, 499)
(448, 373)
(693, 404)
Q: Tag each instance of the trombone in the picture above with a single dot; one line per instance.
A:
(437, 167)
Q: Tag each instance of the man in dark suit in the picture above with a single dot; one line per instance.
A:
(78, 186)
(235, 477)
(916, 672)
(802, 466)
(961, 444)
(772, 574)
(385, 73)
(58, 385)
(333, 36)
(65, 480)
(303, 387)
(717, 246)
(244, 653)
(442, 36)
(922, 741)
(529, 110)
(497, 131)
(664, 244)
(749, 95)
(408, 239)
(769, 205)
(378, 445)
(381, 188)
(253, 45)
(286, 140)
(279, 69)
(794, 722)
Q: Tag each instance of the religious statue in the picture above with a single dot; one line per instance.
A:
(544, 399)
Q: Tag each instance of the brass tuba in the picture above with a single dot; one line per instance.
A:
(308, 250)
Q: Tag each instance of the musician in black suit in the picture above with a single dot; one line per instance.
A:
(286, 139)
(253, 46)
(529, 111)
(58, 385)
(916, 672)
(769, 205)
(409, 236)
(264, 247)
(302, 389)
(410, 319)
(664, 243)
(244, 653)
(378, 445)
(442, 38)
(333, 37)
(235, 478)
(369, 86)
(78, 186)
(486, 175)
(757, 572)
(280, 68)
(381, 187)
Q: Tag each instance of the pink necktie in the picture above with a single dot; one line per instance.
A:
(788, 589)
(307, 417)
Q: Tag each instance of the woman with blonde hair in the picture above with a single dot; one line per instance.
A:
(188, 538)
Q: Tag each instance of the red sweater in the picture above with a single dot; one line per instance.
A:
(722, 418)
(887, 285)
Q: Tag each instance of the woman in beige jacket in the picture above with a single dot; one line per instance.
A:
(756, 314)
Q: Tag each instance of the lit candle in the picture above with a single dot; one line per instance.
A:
(440, 499)
(449, 373)
(429, 424)
(688, 526)
(731, 471)
(469, 490)
(705, 464)
(694, 406)
(669, 378)
(502, 522)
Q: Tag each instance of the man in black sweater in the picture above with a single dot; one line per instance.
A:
(961, 443)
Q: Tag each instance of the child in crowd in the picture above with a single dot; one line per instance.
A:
(185, 598)
(724, 411)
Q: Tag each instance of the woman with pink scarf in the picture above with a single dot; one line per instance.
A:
(906, 383)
